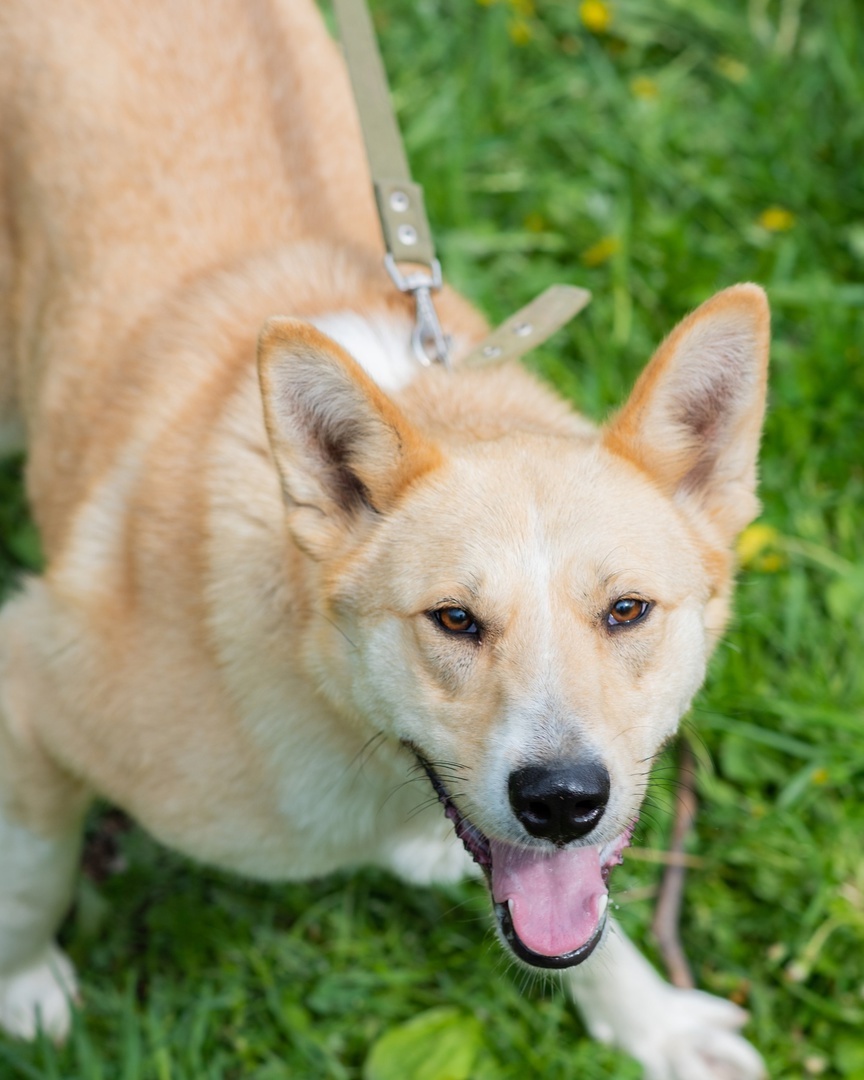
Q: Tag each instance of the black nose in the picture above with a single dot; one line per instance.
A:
(560, 802)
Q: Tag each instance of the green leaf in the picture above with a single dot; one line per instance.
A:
(440, 1044)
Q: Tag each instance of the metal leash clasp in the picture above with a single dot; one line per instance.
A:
(428, 341)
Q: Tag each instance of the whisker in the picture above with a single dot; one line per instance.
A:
(335, 626)
(365, 752)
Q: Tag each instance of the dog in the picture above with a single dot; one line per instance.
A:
(262, 556)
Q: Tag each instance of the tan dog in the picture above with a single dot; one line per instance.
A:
(254, 570)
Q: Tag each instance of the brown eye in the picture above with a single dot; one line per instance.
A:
(456, 620)
(626, 611)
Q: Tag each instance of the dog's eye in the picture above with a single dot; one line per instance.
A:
(456, 620)
(626, 611)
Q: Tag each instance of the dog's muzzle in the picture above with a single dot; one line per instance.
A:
(550, 902)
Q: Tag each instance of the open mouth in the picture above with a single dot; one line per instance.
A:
(551, 905)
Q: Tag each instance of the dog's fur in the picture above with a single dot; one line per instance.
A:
(243, 562)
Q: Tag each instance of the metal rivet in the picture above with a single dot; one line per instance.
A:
(399, 201)
(523, 329)
(407, 235)
(491, 351)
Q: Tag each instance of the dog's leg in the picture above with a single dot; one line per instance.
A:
(428, 860)
(675, 1034)
(40, 828)
(37, 982)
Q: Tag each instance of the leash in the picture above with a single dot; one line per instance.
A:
(402, 212)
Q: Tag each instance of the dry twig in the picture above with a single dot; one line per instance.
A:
(668, 910)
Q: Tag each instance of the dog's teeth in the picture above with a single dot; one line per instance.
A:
(602, 905)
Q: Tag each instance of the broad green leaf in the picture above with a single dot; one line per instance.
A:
(440, 1044)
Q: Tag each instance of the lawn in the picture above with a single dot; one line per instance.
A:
(653, 151)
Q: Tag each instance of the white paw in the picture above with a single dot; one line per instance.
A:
(695, 1037)
(675, 1034)
(39, 996)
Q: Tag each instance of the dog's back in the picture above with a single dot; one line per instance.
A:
(144, 144)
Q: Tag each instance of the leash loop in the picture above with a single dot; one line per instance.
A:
(428, 341)
(401, 210)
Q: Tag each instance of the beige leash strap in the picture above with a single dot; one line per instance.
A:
(400, 200)
(530, 326)
(401, 210)
(405, 226)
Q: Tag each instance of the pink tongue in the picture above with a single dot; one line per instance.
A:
(554, 896)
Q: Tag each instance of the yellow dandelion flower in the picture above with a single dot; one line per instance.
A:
(601, 252)
(776, 219)
(645, 88)
(595, 15)
(820, 776)
(525, 8)
(754, 542)
(520, 31)
(731, 68)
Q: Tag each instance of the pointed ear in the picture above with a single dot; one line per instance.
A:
(694, 419)
(343, 449)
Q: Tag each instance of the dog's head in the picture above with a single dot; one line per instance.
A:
(526, 603)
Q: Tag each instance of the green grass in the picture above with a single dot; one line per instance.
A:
(638, 162)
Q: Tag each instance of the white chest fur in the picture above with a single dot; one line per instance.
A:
(381, 344)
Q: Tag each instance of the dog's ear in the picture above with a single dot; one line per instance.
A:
(344, 451)
(694, 419)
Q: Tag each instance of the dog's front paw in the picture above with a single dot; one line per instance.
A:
(674, 1034)
(681, 1035)
(695, 1038)
(39, 996)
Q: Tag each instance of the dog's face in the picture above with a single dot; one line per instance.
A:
(529, 614)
